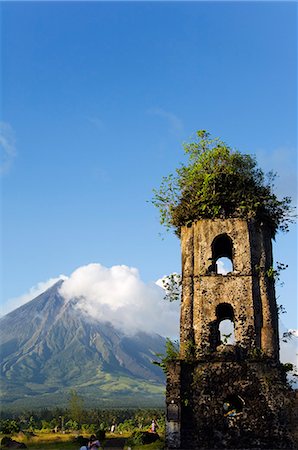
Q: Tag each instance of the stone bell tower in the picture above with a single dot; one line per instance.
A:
(221, 394)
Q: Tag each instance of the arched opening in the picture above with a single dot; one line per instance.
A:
(227, 332)
(225, 324)
(224, 266)
(222, 255)
(233, 405)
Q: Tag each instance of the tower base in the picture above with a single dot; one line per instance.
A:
(227, 404)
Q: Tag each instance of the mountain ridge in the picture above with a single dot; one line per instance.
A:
(48, 346)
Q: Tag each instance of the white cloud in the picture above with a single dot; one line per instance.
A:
(33, 292)
(221, 269)
(293, 332)
(289, 350)
(171, 284)
(289, 354)
(118, 295)
(7, 147)
(175, 124)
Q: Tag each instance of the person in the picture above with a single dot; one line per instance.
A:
(153, 426)
(93, 442)
(113, 428)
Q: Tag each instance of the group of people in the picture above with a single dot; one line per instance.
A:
(93, 444)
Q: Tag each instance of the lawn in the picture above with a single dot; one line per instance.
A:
(48, 441)
(158, 445)
(60, 441)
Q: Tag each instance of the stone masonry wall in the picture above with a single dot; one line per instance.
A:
(247, 289)
(228, 396)
(263, 405)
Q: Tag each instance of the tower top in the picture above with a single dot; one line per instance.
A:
(219, 183)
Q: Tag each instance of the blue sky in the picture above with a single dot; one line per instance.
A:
(97, 98)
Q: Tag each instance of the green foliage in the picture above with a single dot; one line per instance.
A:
(291, 372)
(32, 424)
(289, 334)
(219, 182)
(96, 421)
(287, 367)
(256, 354)
(157, 445)
(81, 440)
(72, 425)
(226, 338)
(127, 425)
(142, 438)
(190, 350)
(281, 309)
(9, 426)
(101, 434)
(274, 273)
(171, 354)
(5, 441)
(88, 428)
(172, 286)
(76, 410)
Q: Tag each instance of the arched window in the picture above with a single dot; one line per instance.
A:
(233, 405)
(225, 323)
(224, 311)
(222, 255)
(227, 332)
(224, 266)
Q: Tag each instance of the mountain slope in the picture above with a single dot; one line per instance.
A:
(48, 347)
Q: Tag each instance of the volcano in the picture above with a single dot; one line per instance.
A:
(49, 347)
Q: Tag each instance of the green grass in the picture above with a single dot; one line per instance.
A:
(48, 441)
(60, 441)
(54, 446)
(157, 445)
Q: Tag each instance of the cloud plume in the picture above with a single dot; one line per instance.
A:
(119, 296)
(33, 292)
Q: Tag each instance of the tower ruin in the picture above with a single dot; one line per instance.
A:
(223, 394)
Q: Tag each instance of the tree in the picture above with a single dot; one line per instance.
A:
(31, 424)
(219, 182)
(171, 354)
(172, 286)
(9, 426)
(75, 407)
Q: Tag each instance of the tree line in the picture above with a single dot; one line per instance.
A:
(84, 420)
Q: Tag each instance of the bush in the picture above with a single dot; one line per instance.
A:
(81, 440)
(101, 435)
(5, 441)
(219, 182)
(142, 438)
(9, 426)
(88, 428)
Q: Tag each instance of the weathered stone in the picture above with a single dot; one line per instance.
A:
(227, 396)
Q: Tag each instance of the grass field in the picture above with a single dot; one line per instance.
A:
(48, 441)
(60, 441)
(158, 445)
